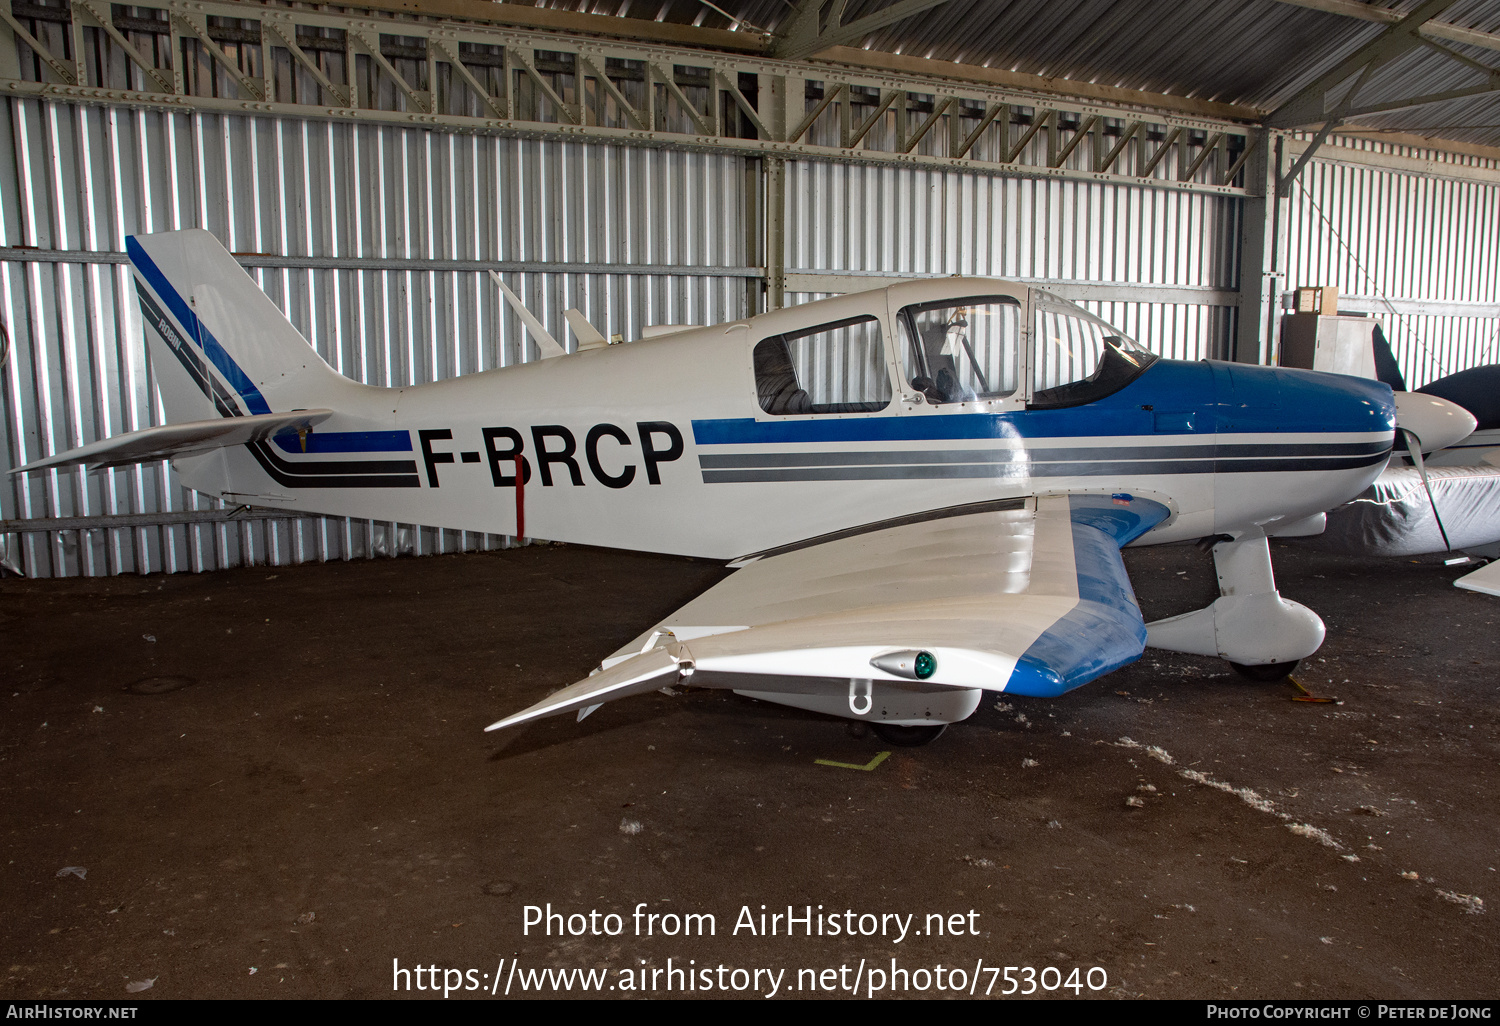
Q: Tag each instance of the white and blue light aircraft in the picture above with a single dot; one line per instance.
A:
(924, 488)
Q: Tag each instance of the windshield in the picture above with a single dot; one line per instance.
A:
(1077, 357)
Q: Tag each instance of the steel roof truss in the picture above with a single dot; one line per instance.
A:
(105, 22)
(666, 75)
(1310, 105)
(287, 34)
(938, 110)
(526, 59)
(743, 104)
(808, 31)
(938, 123)
(59, 68)
(197, 27)
(586, 61)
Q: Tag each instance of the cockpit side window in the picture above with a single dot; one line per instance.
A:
(832, 368)
(1079, 358)
(962, 350)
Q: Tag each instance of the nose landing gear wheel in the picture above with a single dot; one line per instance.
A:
(908, 736)
(1265, 671)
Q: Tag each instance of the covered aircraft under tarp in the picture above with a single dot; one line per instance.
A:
(1395, 518)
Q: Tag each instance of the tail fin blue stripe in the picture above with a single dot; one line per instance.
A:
(196, 330)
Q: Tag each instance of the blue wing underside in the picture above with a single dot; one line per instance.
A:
(1105, 631)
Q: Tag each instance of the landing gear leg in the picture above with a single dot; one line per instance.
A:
(1260, 633)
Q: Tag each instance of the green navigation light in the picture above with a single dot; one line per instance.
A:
(925, 666)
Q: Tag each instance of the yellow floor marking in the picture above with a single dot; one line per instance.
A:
(867, 767)
(1306, 695)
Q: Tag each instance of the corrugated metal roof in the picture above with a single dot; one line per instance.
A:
(1256, 53)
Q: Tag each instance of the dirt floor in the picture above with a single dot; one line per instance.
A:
(275, 782)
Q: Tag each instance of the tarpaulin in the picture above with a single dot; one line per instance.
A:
(1394, 518)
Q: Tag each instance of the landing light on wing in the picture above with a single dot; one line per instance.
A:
(908, 663)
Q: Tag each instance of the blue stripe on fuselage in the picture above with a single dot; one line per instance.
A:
(196, 330)
(346, 441)
(1255, 400)
(1104, 631)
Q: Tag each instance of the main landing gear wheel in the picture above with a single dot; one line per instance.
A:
(908, 736)
(1265, 671)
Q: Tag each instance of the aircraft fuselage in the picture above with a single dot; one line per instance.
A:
(662, 445)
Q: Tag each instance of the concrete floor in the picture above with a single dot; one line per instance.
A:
(276, 782)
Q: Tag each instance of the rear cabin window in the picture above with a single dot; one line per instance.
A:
(832, 368)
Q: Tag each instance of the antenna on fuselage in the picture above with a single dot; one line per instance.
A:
(544, 341)
(589, 337)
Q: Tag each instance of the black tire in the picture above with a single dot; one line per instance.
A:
(1265, 671)
(908, 736)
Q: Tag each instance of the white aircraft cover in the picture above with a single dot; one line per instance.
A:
(1032, 599)
(1394, 516)
(175, 440)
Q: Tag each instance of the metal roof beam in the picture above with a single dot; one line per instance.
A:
(525, 83)
(1310, 106)
(807, 32)
(1389, 16)
(1491, 86)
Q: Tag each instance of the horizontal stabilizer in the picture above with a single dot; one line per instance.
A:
(175, 440)
(634, 676)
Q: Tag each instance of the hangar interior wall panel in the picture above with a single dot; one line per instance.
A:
(79, 179)
(1404, 238)
(844, 218)
(395, 226)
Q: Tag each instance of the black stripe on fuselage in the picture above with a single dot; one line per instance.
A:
(1032, 468)
(1049, 454)
(320, 474)
(338, 467)
(310, 475)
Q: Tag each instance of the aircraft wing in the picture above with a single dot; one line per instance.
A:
(174, 440)
(1029, 597)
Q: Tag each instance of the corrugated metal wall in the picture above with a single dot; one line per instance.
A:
(1403, 237)
(850, 218)
(79, 179)
(352, 203)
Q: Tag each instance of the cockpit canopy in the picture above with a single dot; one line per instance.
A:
(948, 351)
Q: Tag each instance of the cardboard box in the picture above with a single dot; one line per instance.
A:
(1323, 300)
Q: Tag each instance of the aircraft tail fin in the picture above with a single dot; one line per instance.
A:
(219, 346)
